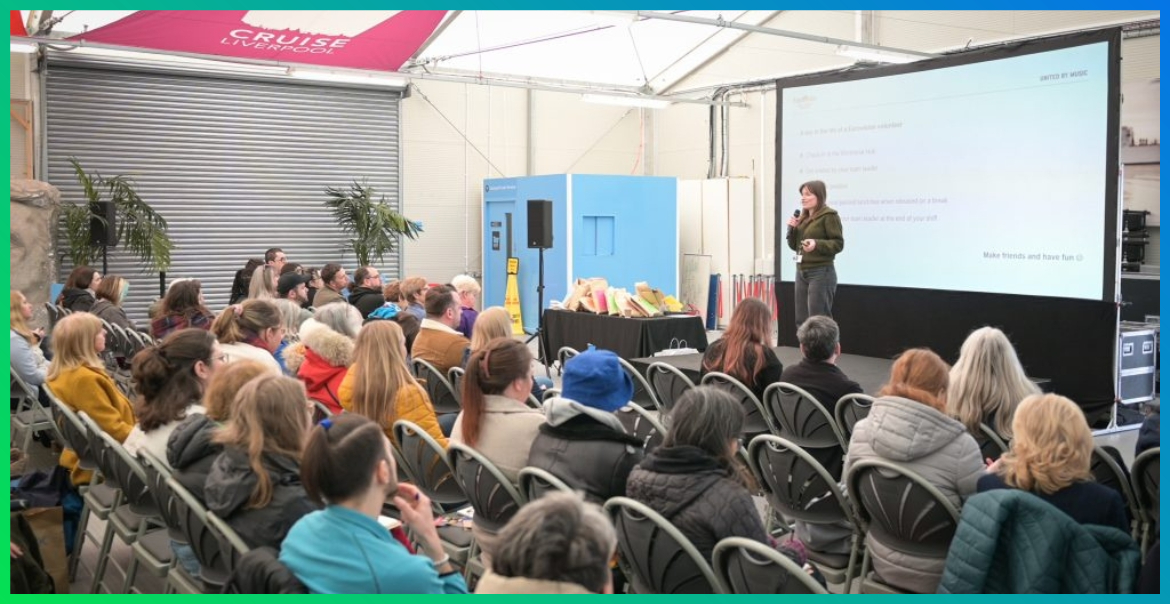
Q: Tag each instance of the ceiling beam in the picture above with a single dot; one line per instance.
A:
(784, 33)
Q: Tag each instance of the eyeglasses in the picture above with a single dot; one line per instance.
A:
(222, 358)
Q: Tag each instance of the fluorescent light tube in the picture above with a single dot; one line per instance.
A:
(877, 56)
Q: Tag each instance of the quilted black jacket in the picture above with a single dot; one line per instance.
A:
(697, 494)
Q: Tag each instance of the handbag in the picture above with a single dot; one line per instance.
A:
(677, 347)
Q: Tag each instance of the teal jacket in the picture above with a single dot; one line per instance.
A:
(1010, 541)
(824, 228)
(338, 550)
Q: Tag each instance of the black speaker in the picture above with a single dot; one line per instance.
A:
(103, 232)
(540, 224)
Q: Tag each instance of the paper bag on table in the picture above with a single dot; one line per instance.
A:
(599, 287)
(611, 302)
(580, 290)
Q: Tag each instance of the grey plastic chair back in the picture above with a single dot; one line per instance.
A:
(214, 560)
(442, 394)
(564, 354)
(156, 474)
(655, 556)
(755, 418)
(640, 424)
(744, 566)
(991, 444)
(29, 415)
(125, 473)
(642, 389)
(800, 488)
(426, 461)
(455, 376)
(230, 542)
(538, 482)
(1108, 471)
(901, 509)
(798, 416)
(851, 409)
(491, 494)
(667, 383)
(72, 432)
(1146, 483)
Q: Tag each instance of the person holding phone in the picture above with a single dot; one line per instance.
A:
(815, 234)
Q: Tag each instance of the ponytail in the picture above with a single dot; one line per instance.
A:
(489, 371)
(340, 458)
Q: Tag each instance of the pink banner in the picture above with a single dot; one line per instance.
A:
(378, 40)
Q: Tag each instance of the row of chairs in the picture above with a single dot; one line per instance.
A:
(145, 508)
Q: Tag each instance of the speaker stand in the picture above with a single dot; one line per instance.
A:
(538, 335)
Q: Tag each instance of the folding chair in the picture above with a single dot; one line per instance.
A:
(654, 555)
(743, 566)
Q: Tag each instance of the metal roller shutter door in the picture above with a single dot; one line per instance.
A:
(236, 166)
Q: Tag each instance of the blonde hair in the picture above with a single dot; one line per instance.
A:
(290, 317)
(271, 418)
(219, 399)
(110, 289)
(16, 312)
(920, 375)
(410, 288)
(74, 339)
(987, 382)
(263, 282)
(1052, 448)
(465, 284)
(251, 317)
(379, 372)
(494, 322)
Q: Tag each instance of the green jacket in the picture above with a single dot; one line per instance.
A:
(825, 229)
(1010, 541)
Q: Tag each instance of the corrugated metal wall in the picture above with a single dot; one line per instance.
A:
(235, 165)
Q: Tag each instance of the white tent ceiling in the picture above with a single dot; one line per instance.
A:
(616, 52)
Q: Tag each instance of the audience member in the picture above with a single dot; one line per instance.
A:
(908, 426)
(181, 308)
(263, 284)
(255, 484)
(818, 374)
(495, 322)
(25, 355)
(366, 293)
(582, 442)
(438, 343)
(293, 287)
(745, 350)
(987, 382)
(379, 386)
(410, 327)
(558, 544)
(325, 352)
(169, 379)
(693, 479)
(349, 470)
(78, 378)
(290, 322)
(78, 293)
(275, 258)
(191, 447)
(243, 281)
(251, 330)
(110, 295)
(292, 267)
(413, 291)
(1050, 456)
(316, 283)
(334, 279)
(467, 290)
(495, 420)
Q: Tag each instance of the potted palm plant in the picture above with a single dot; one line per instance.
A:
(372, 225)
(141, 231)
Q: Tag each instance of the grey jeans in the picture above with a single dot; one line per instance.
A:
(815, 288)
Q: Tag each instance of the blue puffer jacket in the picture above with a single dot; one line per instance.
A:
(1011, 541)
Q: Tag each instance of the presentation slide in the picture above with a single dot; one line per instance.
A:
(985, 177)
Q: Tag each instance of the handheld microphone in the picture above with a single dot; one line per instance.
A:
(795, 214)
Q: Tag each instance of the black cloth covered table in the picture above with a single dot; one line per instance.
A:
(629, 338)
